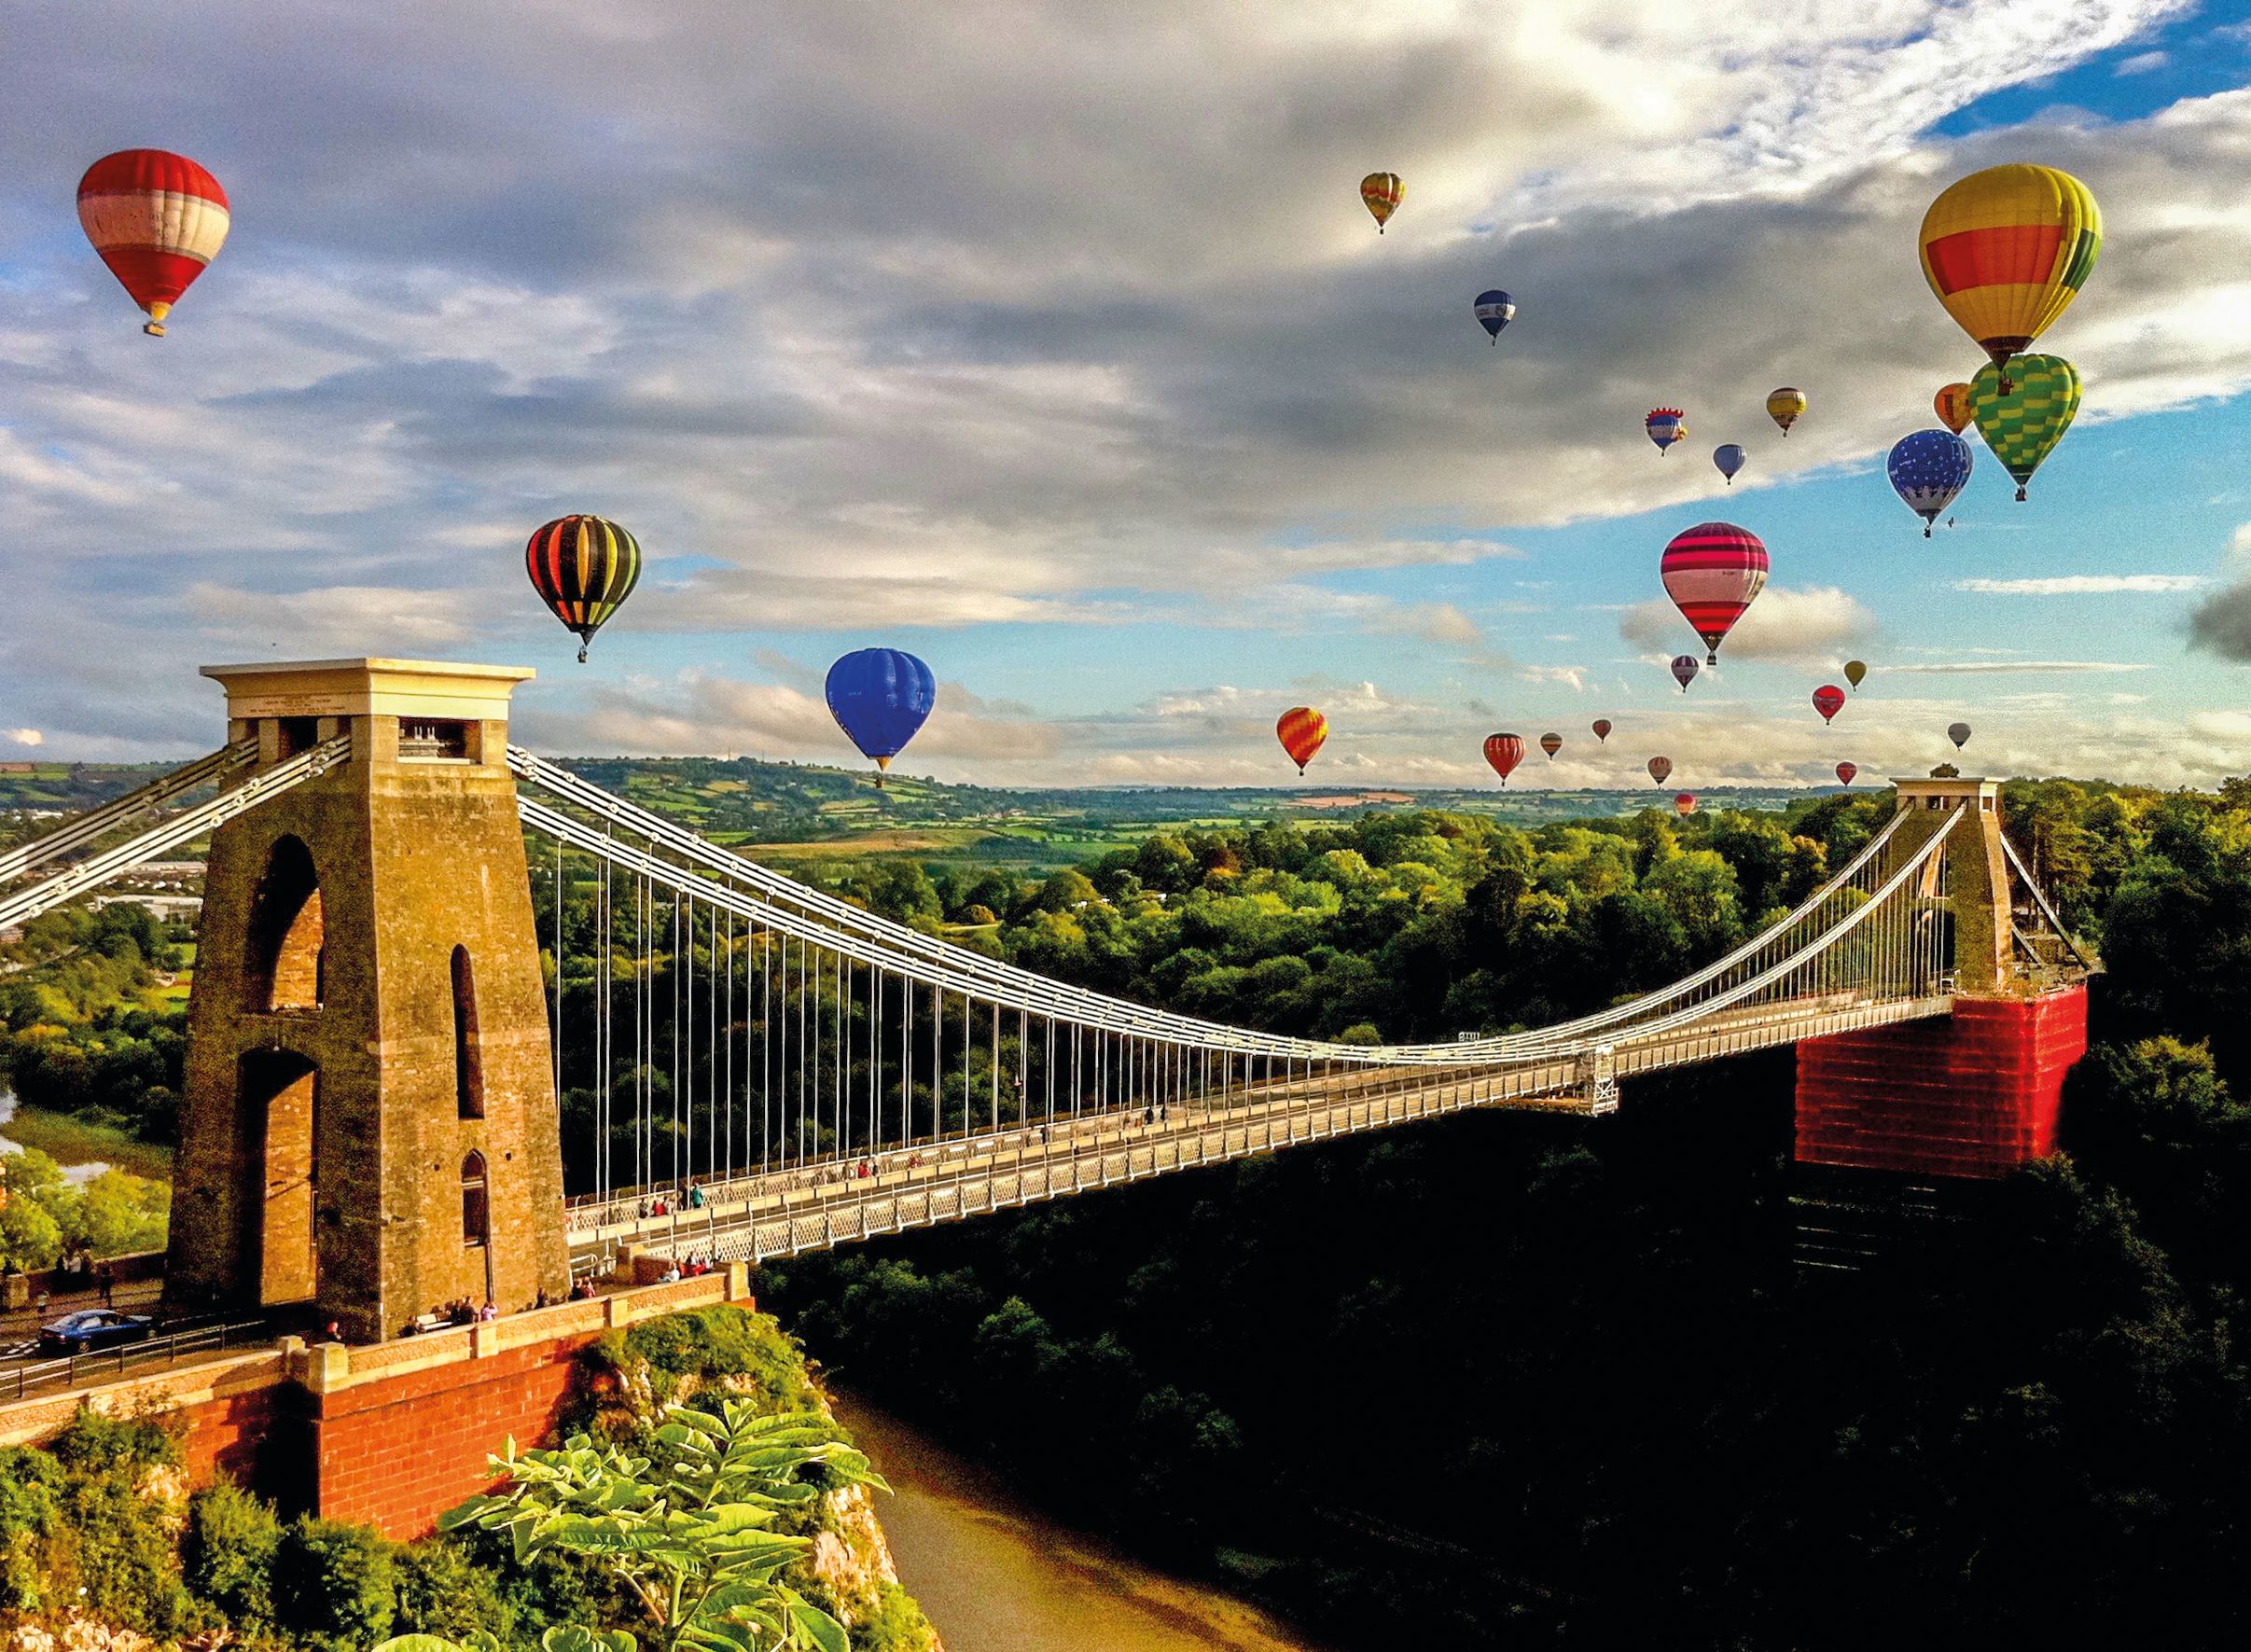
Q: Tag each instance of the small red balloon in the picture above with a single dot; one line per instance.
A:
(1684, 804)
(1846, 771)
(1659, 768)
(1504, 751)
(1828, 700)
(1601, 729)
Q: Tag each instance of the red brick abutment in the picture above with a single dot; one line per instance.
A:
(389, 1434)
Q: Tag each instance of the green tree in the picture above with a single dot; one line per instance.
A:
(692, 1541)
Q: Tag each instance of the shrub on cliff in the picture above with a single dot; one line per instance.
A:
(226, 1554)
(335, 1585)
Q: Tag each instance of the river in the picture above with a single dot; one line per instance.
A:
(996, 1575)
(71, 1173)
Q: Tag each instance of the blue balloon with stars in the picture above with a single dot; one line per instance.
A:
(1928, 469)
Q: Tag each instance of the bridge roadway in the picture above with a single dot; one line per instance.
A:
(785, 1213)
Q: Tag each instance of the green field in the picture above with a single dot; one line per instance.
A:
(70, 1141)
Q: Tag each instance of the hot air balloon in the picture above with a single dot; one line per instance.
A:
(1951, 405)
(1713, 572)
(1928, 469)
(583, 568)
(880, 697)
(1856, 671)
(1659, 768)
(1828, 700)
(1728, 460)
(1683, 670)
(1383, 192)
(1601, 730)
(1846, 771)
(2022, 423)
(1958, 734)
(1504, 751)
(157, 218)
(1665, 426)
(1301, 729)
(2006, 250)
(1495, 310)
(1684, 804)
(1784, 406)
(1551, 742)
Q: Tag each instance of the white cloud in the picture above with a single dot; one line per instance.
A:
(2141, 62)
(1809, 624)
(25, 736)
(2071, 585)
(1956, 668)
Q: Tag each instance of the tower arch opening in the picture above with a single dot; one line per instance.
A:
(288, 932)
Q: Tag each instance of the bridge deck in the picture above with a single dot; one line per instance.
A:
(788, 1212)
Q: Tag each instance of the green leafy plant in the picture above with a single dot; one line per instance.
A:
(693, 1540)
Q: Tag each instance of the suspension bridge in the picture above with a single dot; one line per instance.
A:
(757, 1068)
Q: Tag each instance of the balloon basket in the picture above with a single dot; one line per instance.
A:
(155, 329)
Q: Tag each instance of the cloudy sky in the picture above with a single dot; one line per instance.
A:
(1052, 342)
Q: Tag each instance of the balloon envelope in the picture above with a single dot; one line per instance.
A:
(1301, 729)
(2023, 423)
(1928, 470)
(1729, 459)
(1856, 671)
(2006, 250)
(158, 219)
(1683, 670)
(1665, 426)
(1828, 700)
(1601, 729)
(1684, 804)
(1713, 572)
(1495, 310)
(1784, 405)
(1958, 734)
(583, 568)
(1551, 742)
(1381, 192)
(1504, 751)
(1846, 771)
(1659, 768)
(1951, 405)
(880, 697)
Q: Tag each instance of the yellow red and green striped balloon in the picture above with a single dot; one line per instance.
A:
(583, 568)
(1381, 192)
(2007, 249)
(2023, 423)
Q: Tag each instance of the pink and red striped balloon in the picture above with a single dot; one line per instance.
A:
(1712, 573)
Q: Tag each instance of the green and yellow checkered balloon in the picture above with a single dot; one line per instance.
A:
(2023, 426)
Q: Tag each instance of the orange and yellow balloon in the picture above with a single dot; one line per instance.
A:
(1301, 729)
(1953, 406)
(2007, 249)
(1381, 192)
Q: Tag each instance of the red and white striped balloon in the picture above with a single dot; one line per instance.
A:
(158, 219)
(1712, 573)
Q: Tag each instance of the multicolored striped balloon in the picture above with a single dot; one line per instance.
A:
(1381, 192)
(2007, 249)
(1660, 769)
(1683, 670)
(1684, 804)
(1785, 406)
(583, 568)
(1712, 573)
(1665, 426)
(2023, 410)
(1551, 742)
(158, 219)
(1504, 751)
(1495, 310)
(1301, 729)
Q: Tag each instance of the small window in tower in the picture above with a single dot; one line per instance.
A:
(433, 740)
(475, 1205)
(297, 734)
(469, 1056)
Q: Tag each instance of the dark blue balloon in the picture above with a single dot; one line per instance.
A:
(880, 697)
(1495, 310)
(1927, 469)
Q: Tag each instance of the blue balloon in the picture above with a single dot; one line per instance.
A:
(880, 697)
(1730, 460)
(1495, 310)
(1927, 469)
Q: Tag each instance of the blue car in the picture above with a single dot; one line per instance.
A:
(93, 1328)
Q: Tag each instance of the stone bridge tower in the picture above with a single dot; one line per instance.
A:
(370, 1128)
